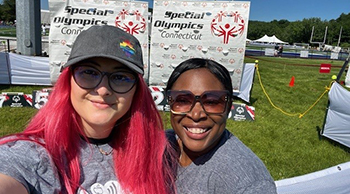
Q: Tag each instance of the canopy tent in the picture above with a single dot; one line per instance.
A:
(270, 40)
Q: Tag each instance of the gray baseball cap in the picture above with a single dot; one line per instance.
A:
(108, 42)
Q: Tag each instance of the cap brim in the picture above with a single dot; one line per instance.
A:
(122, 61)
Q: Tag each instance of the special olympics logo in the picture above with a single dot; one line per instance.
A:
(227, 25)
(16, 98)
(240, 110)
(132, 22)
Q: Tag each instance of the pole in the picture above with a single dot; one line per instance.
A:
(8, 45)
(325, 35)
(312, 33)
(342, 69)
(28, 27)
(341, 29)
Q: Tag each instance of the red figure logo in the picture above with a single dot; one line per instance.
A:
(131, 22)
(227, 25)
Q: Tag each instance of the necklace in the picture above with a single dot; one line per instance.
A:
(98, 142)
(102, 151)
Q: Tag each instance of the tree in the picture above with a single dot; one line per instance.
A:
(300, 31)
(8, 10)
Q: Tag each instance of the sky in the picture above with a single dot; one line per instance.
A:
(291, 10)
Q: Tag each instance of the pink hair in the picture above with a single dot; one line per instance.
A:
(139, 146)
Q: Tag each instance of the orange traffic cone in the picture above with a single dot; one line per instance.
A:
(291, 83)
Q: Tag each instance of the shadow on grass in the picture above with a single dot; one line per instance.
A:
(4, 87)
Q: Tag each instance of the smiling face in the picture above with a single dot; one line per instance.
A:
(100, 107)
(198, 132)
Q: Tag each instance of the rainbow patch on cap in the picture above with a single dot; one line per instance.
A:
(127, 48)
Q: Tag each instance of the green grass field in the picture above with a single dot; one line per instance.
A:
(8, 31)
(288, 145)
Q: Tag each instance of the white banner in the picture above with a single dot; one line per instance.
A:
(334, 55)
(204, 29)
(29, 70)
(5, 72)
(304, 54)
(70, 17)
(270, 52)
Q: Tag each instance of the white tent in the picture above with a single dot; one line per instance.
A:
(270, 40)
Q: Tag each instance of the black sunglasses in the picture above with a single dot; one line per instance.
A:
(212, 102)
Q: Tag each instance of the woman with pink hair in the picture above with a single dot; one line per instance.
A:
(100, 131)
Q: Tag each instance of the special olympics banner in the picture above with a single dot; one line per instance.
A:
(15, 99)
(204, 29)
(70, 17)
(40, 97)
(270, 52)
(242, 112)
(159, 97)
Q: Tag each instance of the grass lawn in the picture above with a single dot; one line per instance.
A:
(8, 31)
(288, 145)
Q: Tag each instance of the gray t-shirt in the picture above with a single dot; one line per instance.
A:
(30, 164)
(230, 168)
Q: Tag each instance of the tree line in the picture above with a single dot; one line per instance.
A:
(291, 32)
(300, 31)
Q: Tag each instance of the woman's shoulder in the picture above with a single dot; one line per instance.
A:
(18, 144)
(25, 154)
(236, 163)
(234, 146)
(29, 163)
(231, 155)
(236, 156)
